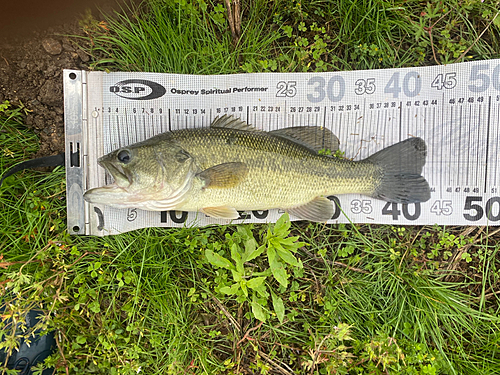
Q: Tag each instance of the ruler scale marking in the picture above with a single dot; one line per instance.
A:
(487, 145)
(459, 162)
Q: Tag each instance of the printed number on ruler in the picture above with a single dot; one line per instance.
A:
(365, 86)
(286, 89)
(442, 207)
(446, 81)
(410, 84)
(361, 206)
(264, 108)
(481, 80)
(393, 210)
(475, 211)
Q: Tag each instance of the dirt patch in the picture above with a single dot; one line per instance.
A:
(31, 76)
(33, 56)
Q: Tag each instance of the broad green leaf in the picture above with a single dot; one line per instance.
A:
(277, 267)
(266, 272)
(279, 307)
(245, 231)
(255, 253)
(288, 243)
(94, 307)
(255, 282)
(282, 225)
(243, 285)
(271, 254)
(236, 275)
(250, 246)
(218, 260)
(287, 256)
(290, 240)
(292, 243)
(225, 290)
(80, 339)
(280, 274)
(496, 21)
(257, 310)
(233, 289)
(235, 254)
(275, 242)
(262, 291)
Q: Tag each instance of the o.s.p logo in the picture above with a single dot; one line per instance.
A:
(138, 89)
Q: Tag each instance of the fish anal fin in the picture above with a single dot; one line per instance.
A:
(231, 122)
(224, 175)
(314, 137)
(222, 212)
(320, 209)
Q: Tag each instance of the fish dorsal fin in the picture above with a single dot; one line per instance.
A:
(225, 175)
(320, 209)
(222, 212)
(313, 137)
(231, 122)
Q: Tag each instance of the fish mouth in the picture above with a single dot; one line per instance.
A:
(114, 194)
(117, 172)
(108, 194)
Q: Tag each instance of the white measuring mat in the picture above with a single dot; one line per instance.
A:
(454, 108)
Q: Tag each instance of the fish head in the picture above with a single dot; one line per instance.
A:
(144, 173)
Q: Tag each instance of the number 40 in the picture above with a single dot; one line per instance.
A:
(392, 209)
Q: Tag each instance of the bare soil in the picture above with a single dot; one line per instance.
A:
(31, 76)
(36, 43)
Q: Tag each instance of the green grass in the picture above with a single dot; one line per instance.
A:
(193, 37)
(179, 37)
(404, 299)
(362, 299)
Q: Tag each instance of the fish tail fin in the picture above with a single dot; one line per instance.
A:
(401, 165)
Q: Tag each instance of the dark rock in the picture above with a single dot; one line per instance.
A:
(51, 93)
(83, 55)
(52, 46)
(68, 47)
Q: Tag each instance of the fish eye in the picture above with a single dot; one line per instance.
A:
(182, 156)
(124, 156)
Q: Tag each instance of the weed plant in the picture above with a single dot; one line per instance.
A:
(179, 37)
(293, 35)
(263, 299)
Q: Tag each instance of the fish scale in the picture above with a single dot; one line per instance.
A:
(231, 167)
(279, 179)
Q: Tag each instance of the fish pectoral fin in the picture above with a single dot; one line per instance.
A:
(313, 137)
(320, 209)
(224, 175)
(230, 122)
(222, 212)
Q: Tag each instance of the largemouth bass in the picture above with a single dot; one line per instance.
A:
(231, 166)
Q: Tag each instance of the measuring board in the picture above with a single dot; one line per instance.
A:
(454, 108)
